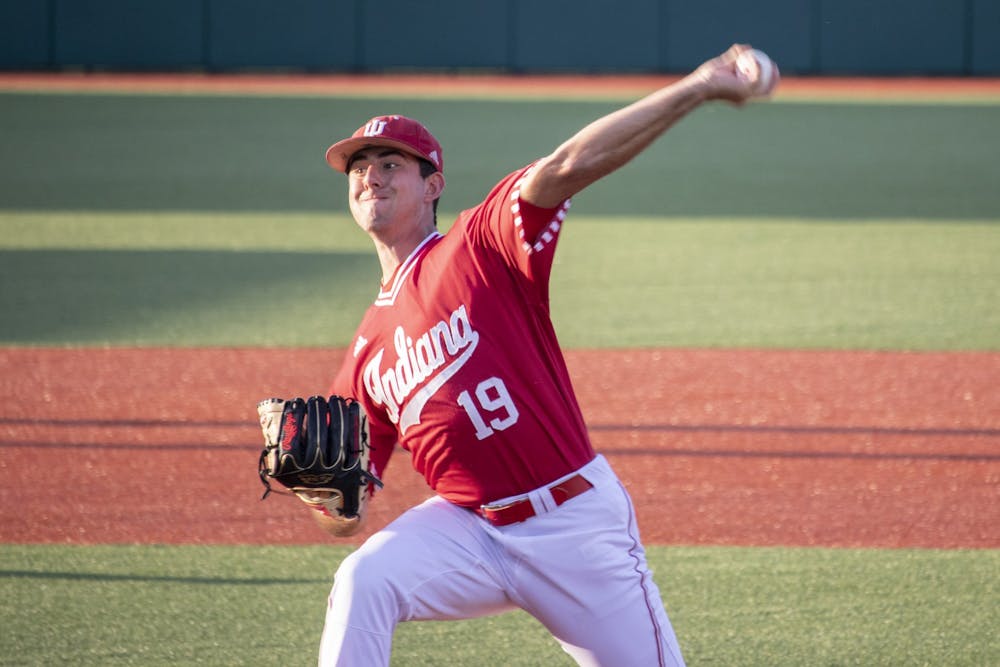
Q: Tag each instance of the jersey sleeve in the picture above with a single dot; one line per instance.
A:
(524, 233)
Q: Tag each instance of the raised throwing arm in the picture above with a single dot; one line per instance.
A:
(613, 140)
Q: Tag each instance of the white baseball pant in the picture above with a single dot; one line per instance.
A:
(578, 568)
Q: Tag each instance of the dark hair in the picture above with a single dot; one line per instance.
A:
(427, 168)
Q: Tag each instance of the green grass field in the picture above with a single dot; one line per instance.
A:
(158, 220)
(155, 605)
(170, 279)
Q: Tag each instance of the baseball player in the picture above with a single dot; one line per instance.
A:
(457, 363)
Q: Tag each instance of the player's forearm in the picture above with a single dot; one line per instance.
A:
(614, 140)
(611, 142)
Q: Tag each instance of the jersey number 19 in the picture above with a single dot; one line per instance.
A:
(491, 400)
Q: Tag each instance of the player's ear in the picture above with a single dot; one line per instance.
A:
(434, 186)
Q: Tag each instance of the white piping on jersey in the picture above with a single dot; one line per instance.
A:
(548, 233)
(359, 345)
(387, 295)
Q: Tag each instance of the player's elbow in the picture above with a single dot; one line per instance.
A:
(556, 178)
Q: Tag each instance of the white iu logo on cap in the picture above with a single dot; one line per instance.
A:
(375, 127)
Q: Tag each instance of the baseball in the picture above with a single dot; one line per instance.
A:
(755, 66)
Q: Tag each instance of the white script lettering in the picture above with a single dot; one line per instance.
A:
(447, 345)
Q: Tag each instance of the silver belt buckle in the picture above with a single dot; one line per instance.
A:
(500, 508)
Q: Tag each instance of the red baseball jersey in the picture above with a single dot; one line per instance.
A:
(458, 362)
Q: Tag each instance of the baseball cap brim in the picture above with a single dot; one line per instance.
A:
(397, 132)
(339, 154)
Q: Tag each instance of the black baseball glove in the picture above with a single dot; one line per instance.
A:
(317, 449)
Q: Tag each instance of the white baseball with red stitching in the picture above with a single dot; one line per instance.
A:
(758, 68)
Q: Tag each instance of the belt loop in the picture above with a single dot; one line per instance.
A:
(541, 501)
(547, 499)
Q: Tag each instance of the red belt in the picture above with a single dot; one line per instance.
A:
(521, 510)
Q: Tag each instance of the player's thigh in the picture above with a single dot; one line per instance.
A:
(432, 563)
(595, 592)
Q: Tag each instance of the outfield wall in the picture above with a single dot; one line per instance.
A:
(869, 37)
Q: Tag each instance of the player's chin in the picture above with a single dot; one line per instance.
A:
(367, 217)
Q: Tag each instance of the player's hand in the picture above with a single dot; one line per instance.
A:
(327, 506)
(719, 78)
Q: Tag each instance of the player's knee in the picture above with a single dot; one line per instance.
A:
(360, 584)
(356, 575)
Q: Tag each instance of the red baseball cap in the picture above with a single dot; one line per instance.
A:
(398, 132)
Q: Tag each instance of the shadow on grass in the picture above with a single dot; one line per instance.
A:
(181, 296)
(148, 578)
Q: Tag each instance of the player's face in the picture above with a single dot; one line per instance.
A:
(385, 189)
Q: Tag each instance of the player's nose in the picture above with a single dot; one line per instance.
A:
(370, 178)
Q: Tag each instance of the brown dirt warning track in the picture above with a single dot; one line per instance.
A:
(736, 447)
(607, 86)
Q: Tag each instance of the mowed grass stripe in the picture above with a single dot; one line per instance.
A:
(134, 152)
(208, 279)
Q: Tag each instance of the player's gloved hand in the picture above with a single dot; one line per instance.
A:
(318, 450)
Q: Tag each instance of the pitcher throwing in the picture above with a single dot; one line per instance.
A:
(457, 362)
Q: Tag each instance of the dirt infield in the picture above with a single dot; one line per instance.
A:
(716, 447)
